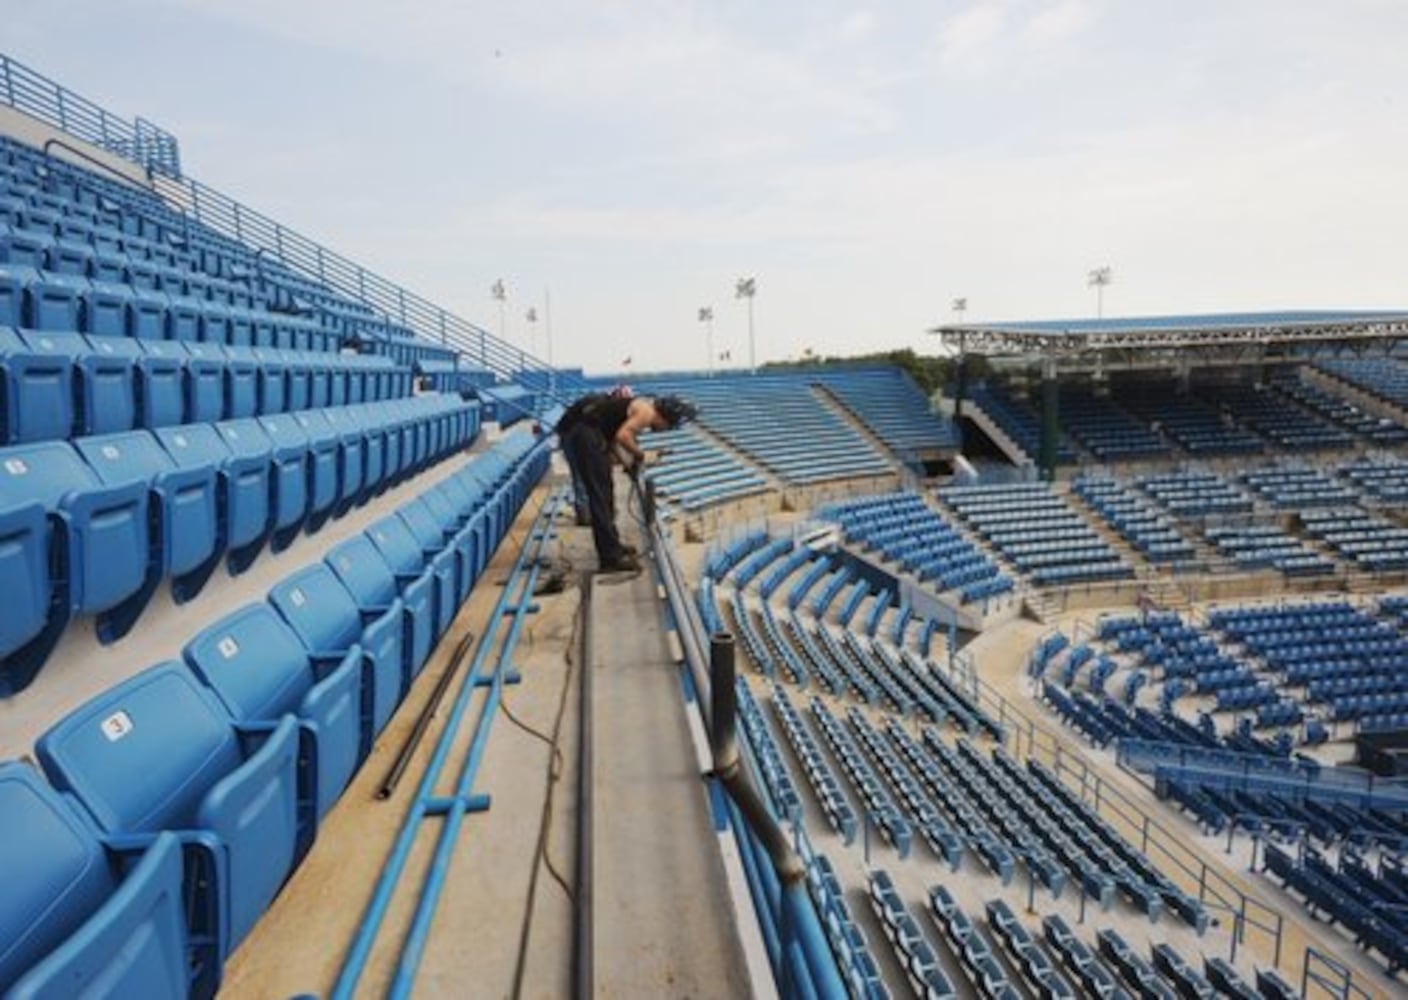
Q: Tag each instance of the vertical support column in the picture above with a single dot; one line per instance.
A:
(1050, 418)
(960, 379)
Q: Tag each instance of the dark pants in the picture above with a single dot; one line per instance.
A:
(585, 449)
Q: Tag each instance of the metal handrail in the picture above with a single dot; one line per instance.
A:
(139, 140)
(413, 312)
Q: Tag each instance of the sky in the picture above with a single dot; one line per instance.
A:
(866, 165)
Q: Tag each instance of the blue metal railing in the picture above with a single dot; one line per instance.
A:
(39, 97)
(476, 346)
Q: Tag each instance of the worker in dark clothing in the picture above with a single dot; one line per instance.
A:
(598, 429)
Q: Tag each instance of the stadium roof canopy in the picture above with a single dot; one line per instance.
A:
(1076, 336)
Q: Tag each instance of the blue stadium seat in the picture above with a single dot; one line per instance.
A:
(400, 550)
(288, 474)
(24, 248)
(328, 622)
(205, 383)
(298, 377)
(161, 383)
(215, 323)
(375, 587)
(434, 541)
(361, 420)
(105, 308)
(182, 318)
(273, 380)
(52, 302)
(72, 546)
(245, 508)
(259, 670)
(81, 918)
(188, 534)
(107, 384)
(241, 326)
(146, 314)
(229, 791)
(241, 383)
(320, 458)
(107, 266)
(68, 257)
(14, 279)
(36, 395)
(351, 451)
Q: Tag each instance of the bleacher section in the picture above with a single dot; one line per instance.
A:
(1038, 532)
(693, 472)
(1136, 519)
(888, 402)
(1376, 430)
(1276, 418)
(779, 422)
(1198, 428)
(902, 528)
(242, 749)
(1106, 430)
(1386, 378)
(1017, 419)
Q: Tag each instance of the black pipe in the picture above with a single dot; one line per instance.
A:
(728, 765)
(582, 938)
(427, 712)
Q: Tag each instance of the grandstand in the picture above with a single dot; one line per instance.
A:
(308, 688)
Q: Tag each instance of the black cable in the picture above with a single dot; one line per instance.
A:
(554, 773)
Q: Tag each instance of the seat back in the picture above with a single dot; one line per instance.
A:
(397, 545)
(362, 570)
(120, 458)
(253, 661)
(424, 525)
(161, 390)
(318, 608)
(42, 473)
(192, 446)
(160, 724)
(53, 870)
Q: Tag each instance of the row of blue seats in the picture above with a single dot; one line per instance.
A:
(93, 527)
(1295, 488)
(1376, 429)
(1138, 523)
(70, 244)
(1275, 418)
(55, 385)
(50, 300)
(837, 809)
(123, 887)
(1340, 902)
(915, 955)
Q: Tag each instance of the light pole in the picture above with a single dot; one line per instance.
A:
(960, 306)
(706, 316)
(746, 288)
(500, 295)
(532, 317)
(1098, 278)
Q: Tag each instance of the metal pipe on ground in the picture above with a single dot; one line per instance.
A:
(583, 938)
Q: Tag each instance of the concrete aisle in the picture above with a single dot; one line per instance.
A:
(663, 920)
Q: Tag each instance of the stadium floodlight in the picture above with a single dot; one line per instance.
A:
(532, 317)
(1098, 278)
(746, 288)
(500, 294)
(960, 306)
(706, 316)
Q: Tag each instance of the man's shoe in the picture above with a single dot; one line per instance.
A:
(621, 564)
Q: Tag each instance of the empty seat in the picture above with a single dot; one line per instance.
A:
(351, 451)
(357, 419)
(402, 551)
(52, 302)
(241, 383)
(246, 508)
(261, 672)
(205, 383)
(14, 279)
(146, 313)
(108, 384)
(288, 473)
(321, 457)
(104, 309)
(436, 543)
(374, 586)
(71, 546)
(273, 380)
(328, 622)
(39, 377)
(230, 792)
(161, 383)
(185, 498)
(80, 918)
